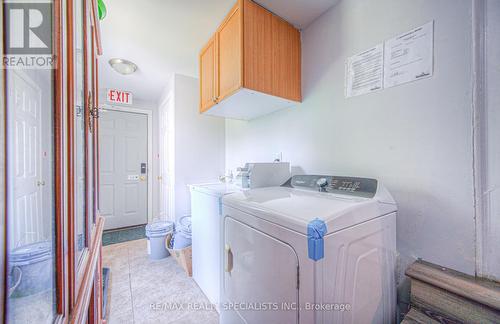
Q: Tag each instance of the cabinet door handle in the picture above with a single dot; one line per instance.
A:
(229, 259)
(93, 112)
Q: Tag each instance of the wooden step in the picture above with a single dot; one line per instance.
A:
(450, 296)
(438, 303)
(416, 317)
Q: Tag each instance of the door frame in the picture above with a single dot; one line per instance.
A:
(168, 200)
(149, 115)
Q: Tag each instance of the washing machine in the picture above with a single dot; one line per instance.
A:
(206, 220)
(206, 226)
(319, 249)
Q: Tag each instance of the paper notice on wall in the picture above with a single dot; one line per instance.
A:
(364, 72)
(409, 56)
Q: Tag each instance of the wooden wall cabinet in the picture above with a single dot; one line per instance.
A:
(251, 66)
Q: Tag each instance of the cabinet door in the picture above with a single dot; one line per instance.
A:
(229, 46)
(286, 59)
(207, 76)
(258, 49)
(92, 113)
(31, 234)
(31, 243)
(78, 144)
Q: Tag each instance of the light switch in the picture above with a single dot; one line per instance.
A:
(133, 177)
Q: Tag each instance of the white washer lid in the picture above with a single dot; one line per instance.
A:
(296, 208)
(215, 189)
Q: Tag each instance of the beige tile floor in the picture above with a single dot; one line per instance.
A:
(145, 291)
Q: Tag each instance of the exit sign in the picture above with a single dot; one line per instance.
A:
(119, 96)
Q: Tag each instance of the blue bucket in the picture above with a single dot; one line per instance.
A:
(182, 237)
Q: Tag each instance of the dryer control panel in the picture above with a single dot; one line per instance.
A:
(361, 187)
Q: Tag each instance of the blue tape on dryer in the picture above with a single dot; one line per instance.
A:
(316, 230)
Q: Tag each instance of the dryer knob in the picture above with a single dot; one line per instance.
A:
(322, 182)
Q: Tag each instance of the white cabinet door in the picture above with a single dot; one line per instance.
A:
(260, 272)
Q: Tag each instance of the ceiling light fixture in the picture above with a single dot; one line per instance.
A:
(123, 66)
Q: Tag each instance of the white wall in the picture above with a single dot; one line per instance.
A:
(416, 138)
(197, 140)
(152, 106)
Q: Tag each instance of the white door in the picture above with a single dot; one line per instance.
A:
(24, 127)
(163, 160)
(123, 156)
(259, 270)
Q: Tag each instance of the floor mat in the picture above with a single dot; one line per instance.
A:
(123, 235)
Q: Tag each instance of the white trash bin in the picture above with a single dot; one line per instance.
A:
(156, 233)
